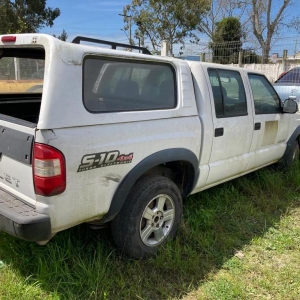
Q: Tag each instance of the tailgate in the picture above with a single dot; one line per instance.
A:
(18, 215)
(16, 143)
(21, 86)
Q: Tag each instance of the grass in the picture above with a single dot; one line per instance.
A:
(240, 240)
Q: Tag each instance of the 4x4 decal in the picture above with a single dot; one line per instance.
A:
(104, 159)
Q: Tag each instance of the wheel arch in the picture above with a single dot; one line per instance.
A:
(290, 143)
(169, 158)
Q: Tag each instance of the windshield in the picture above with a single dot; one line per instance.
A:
(292, 76)
(20, 74)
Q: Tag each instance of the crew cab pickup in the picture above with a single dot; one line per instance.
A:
(105, 136)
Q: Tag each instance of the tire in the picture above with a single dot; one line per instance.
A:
(293, 156)
(149, 217)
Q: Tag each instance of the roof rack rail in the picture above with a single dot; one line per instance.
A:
(113, 45)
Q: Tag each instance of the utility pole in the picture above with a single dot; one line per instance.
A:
(130, 34)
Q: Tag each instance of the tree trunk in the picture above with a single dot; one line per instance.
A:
(265, 23)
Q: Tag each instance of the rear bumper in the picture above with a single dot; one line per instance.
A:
(21, 220)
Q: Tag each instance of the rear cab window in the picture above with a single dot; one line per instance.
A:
(111, 85)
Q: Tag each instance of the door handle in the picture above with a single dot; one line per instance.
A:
(257, 126)
(219, 131)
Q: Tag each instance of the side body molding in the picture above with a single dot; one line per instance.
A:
(156, 159)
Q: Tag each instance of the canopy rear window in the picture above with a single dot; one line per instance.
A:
(21, 70)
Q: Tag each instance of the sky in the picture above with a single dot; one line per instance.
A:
(101, 19)
(93, 18)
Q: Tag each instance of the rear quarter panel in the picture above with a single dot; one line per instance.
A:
(90, 190)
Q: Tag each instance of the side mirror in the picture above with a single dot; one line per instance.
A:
(290, 106)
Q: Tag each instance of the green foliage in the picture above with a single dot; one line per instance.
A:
(63, 36)
(25, 16)
(226, 41)
(169, 20)
(228, 30)
(220, 9)
(250, 57)
(239, 240)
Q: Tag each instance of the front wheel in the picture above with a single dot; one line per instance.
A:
(150, 216)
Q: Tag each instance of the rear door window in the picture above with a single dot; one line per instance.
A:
(229, 94)
(119, 85)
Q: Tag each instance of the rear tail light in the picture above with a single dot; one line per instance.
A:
(49, 170)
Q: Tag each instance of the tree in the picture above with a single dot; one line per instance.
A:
(265, 22)
(63, 36)
(226, 41)
(294, 24)
(221, 9)
(23, 16)
(169, 20)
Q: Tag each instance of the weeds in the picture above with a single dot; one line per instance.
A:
(248, 228)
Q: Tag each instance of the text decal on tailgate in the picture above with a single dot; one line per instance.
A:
(104, 159)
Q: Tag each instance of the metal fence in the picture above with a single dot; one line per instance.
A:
(250, 51)
(284, 54)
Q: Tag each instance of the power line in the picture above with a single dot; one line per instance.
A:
(83, 21)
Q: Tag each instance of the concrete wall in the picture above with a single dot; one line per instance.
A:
(271, 71)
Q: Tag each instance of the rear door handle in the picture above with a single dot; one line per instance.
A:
(219, 131)
(257, 126)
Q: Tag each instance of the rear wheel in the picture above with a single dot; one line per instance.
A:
(150, 216)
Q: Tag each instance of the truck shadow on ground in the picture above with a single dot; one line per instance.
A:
(83, 264)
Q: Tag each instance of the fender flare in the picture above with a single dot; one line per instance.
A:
(290, 143)
(158, 158)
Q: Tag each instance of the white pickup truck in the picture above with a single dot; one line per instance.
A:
(105, 136)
